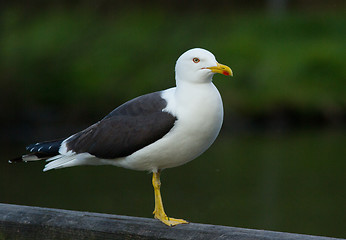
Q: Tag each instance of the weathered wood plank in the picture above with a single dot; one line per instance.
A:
(24, 222)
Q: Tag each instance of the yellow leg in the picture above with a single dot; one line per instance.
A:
(159, 212)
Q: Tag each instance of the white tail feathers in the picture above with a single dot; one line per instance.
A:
(59, 161)
(62, 161)
(30, 157)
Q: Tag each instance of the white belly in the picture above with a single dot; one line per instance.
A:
(200, 116)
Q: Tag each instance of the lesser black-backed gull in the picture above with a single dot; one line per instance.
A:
(152, 132)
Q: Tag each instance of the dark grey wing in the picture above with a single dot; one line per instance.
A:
(128, 128)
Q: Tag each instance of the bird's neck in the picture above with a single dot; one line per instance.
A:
(186, 91)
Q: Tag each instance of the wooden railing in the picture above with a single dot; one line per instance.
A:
(23, 222)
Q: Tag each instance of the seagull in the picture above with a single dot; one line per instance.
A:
(152, 132)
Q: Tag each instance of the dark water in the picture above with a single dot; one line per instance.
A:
(293, 183)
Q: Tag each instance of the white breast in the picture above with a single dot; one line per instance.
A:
(199, 111)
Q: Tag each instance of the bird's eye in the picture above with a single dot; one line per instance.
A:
(196, 60)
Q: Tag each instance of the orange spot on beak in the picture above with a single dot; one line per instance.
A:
(225, 73)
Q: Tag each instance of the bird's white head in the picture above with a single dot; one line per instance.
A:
(198, 65)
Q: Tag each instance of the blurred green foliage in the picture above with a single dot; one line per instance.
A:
(79, 58)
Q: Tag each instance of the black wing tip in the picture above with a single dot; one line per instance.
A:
(47, 147)
(32, 147)
(16, 160)
(39, 151)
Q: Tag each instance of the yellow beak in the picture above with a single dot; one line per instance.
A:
(220, 68)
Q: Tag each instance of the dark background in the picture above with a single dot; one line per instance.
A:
(279, 162)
